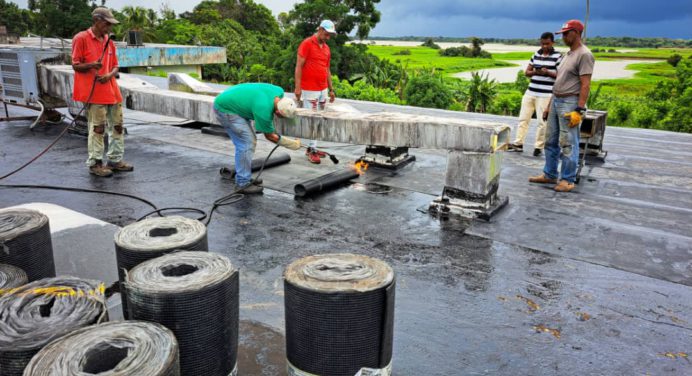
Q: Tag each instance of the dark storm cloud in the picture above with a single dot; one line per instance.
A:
(544, 10)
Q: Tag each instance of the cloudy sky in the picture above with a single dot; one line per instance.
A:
(503, 18)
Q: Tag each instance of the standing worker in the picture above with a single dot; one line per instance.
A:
(95, 63)
(235, 107)
(542, 70)
(566, 110)
(313, 77)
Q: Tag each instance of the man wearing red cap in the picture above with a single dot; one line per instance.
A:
(566, 109)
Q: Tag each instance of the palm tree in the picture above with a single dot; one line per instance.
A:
(139, 19)
(482, 91)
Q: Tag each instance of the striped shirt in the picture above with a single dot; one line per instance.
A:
(542, 86)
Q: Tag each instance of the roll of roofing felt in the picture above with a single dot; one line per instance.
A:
(25, 242)
(195, 294)
(154, 237)
(339, 315)
(39, 312)
(120, 348)
(10, 277)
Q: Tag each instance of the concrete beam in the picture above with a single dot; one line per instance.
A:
(473, 168)
(385, 129)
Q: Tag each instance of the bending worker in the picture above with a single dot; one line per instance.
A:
(235, 107)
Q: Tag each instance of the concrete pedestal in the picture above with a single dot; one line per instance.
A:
(471, 186)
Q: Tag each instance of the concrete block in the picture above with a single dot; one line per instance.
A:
(184, 82)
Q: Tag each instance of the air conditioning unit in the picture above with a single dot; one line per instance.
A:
(18, 78)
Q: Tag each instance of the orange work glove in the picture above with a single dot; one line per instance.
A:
(574, 117)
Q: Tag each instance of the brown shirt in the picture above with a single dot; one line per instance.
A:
(575, 63)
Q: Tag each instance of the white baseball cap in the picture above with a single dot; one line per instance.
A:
(328, 26)
(286, 107)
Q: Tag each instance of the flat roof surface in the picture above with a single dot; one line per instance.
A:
(597, 281)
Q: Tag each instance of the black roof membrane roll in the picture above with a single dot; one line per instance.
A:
(37, 313)
(10, 277)
(119, 348)
(25, 242)
(195, 294)
(339, 315)
(154, 237)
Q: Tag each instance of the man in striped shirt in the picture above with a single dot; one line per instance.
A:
(542, 71)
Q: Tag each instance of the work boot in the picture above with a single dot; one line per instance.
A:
(99, 169)
(564, 186)
(249, 189)
(313, 157)
(542, 179)
(515, 147)
(120, 166)
(537, 152)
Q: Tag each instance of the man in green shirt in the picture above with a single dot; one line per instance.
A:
(235, 107)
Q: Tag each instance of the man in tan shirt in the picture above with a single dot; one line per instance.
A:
(565, 111)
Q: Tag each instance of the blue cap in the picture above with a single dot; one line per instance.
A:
(328, 26)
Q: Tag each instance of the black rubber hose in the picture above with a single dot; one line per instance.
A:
(324, 182)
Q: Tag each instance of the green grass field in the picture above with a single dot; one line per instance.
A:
(423, 57)
(644, 80)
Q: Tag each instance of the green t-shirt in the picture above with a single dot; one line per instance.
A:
(251, 101)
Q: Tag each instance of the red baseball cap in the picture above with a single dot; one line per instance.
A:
(571, 25)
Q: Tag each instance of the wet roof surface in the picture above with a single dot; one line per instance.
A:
(592, 282)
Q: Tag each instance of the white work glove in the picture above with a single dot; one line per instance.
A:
(289, 143)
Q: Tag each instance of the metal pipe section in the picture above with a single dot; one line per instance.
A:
(277, 160)
(324, 182)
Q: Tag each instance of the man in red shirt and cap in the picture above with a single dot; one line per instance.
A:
(95, 64)
(313, 78)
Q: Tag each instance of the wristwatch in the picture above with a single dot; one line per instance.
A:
(581, 110)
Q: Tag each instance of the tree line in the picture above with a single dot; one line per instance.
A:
(630, 42)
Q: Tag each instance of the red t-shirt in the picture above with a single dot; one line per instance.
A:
(316, 68)
(86, 48)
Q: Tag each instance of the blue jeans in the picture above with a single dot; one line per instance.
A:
(562, 142)
(243, 136)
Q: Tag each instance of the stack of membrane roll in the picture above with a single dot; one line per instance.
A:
(25, 242)
(122, 348)
(339, 315)
(154, 237)
(195, 294)
(39, 312)
(10, 277)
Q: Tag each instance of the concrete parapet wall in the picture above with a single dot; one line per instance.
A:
(385, 129)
